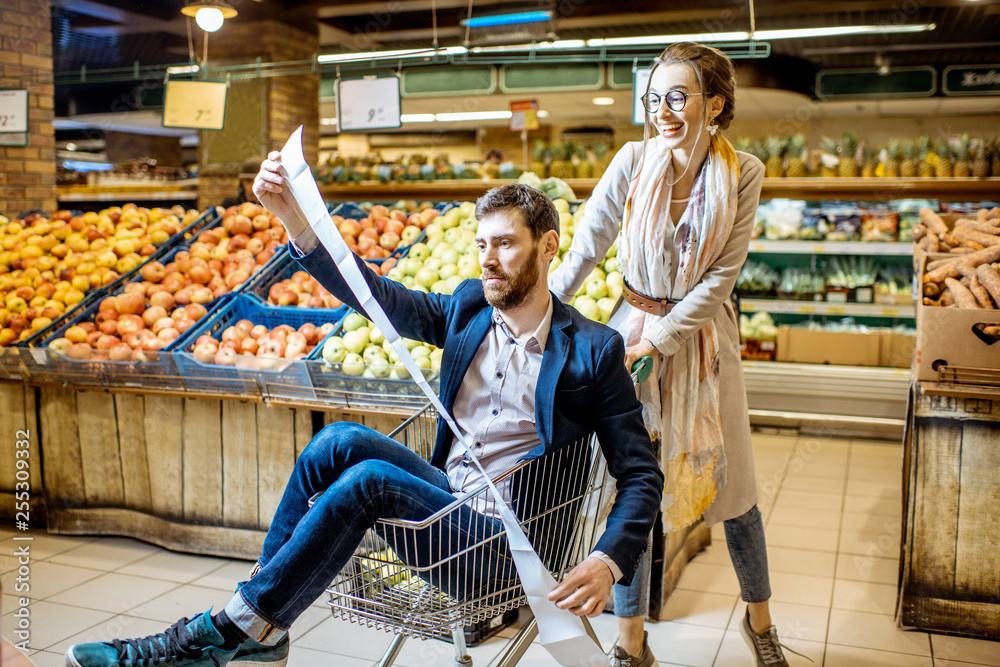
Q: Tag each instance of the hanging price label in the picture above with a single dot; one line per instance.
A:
(371, 103)
(198, 105)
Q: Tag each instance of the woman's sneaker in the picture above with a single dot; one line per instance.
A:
(766, 648)
(187, 643)
(619, 658)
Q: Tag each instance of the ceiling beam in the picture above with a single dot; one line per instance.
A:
(142, 19)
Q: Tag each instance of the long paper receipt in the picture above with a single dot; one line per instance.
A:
(562, 633)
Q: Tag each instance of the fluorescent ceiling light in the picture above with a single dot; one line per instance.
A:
(542, 113)
(472, 115)
(603, 101)
(416, 118)
(556, 45)
(506, 19)
(327, 121)
(839, 31)
(646, 40)
(186, 69)
(379, 55)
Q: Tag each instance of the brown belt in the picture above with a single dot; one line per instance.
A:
(647, 304)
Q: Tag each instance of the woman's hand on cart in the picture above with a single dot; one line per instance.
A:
(586, 589)
(267, 187)
(635, 353)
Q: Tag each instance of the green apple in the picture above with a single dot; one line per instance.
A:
(470, 223)
(605, 305)
(424, 363)
(597, 288)
(420, 288)
(373, 352)
(447, 271)
(452, 235)
(554, 264)
(380, 368)
(587, 307)
(610, 265)
(450, 255)
(561, 205)
(375, 336)
(355, 341)
(410, 343)
(461, 246)
(436, 364)
(433, 263)
(395, 274)
(408, 282)
(596, 273)
(419, 251)
(470, 271)
(467, 208)
(565, 219)
(440, 287)
(355, 321)
(333, 350)
(434, 231)
(565, 241)
(353, 365)
(409, 234)
(399, 372)
(449, 222)
(612, 251)
(614, 278)
(453, 283)
(420, 351)
(426, 277)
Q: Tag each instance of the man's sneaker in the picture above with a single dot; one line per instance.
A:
(766, 647)
(252, 653)
(191, 643)
(619, 658)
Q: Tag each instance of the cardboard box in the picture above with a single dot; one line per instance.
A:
(952, 337)
(897, 349)
(828, 347)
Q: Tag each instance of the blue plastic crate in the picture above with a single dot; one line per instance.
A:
(260, 285)
(285, 378)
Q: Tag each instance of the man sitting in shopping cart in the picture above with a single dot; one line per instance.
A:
(523, 374)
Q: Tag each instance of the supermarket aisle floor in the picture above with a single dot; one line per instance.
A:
(832, 513)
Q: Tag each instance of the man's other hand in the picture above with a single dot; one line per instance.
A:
(586, 588)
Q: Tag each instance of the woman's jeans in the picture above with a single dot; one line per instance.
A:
(363, 477)
(747, 548)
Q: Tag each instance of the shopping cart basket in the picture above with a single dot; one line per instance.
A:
(428, 579)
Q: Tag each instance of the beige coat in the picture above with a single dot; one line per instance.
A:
(710, 301)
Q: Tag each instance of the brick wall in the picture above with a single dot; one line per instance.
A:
(28, 173)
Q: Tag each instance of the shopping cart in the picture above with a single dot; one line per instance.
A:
(431, 578)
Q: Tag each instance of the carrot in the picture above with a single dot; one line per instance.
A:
(946, 299)
(980, 293)
(933, 242)
(990, 279)
(917, 232)
(937, 263)
(933, 221)
(981, 215)
(962, 250)
(932, 290)
(993, 331)
(963, 297)
(985, 227)
(969, 236)
(950, 268)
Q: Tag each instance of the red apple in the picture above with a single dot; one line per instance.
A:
(131, 303)
(109, 327)
(154, 272)
(76, 334)
(79, 351)
(153, 314)
(249, 345)
(195, 311)
(120, 352)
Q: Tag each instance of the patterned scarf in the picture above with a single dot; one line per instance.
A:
(682, 409)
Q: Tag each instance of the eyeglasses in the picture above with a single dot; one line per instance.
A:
(676, 100)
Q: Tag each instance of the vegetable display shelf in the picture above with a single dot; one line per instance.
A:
(792, 307)
(184, 190)
(831, 248)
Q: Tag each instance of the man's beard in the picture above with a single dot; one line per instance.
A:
(514, 289)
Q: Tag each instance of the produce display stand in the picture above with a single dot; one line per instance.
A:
(950, 546)
(139, 191)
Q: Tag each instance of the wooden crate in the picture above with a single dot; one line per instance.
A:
(19, 419)
(950, 566)
(190, 474)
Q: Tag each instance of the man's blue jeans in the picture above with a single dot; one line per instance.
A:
(363, 476)
(747, 549)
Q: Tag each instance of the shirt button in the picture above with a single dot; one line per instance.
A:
(479, 445)
(495, 412)
(499, 374)
(510, 340)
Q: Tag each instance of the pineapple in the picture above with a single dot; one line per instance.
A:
(848, 167)
(925, 168)
(537, 164)
(603, 154)
(963, 165)
(796, 166)
(892, 152)
(829, 160)
(584, 168)
(869, 162)
(774, 166)
(945, 167)
(908, 165)
(560, 167)
(981, 162)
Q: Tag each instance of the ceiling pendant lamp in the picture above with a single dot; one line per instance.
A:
(209, 14)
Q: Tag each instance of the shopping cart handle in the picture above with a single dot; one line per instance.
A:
(642, 368)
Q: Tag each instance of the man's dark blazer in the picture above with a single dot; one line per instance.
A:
(582, 388)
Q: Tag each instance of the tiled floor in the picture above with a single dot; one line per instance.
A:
(832, 515)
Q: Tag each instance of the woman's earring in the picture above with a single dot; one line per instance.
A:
(712, 127)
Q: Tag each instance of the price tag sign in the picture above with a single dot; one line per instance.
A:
(640, 81)
(13, 117)
(371, 103)
(524, 115)
(196, 105)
